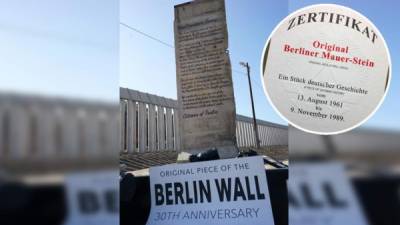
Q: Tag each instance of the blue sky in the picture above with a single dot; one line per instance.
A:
(70, 48)
(63, 48)
(149, 66)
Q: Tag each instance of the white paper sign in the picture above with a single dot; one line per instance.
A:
(326, 69)
(92, 198)
(231, 191)
(321, 194)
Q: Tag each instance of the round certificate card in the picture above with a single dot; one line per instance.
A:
(325, 69)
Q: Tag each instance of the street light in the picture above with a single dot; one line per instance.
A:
(245, 64)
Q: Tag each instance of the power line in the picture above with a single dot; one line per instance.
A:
(238, 71)
(171, 46)
(244, 74)
(146, 35)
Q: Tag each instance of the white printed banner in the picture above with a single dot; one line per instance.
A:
(92, 198)
(321, 194)
(231, 191)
